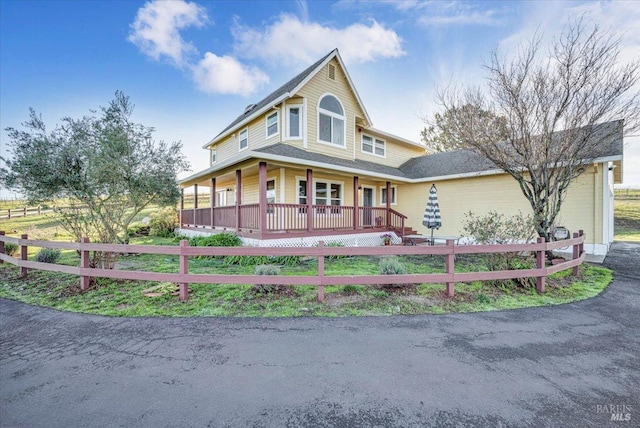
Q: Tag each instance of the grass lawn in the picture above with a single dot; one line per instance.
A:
(126, 298)
(626, 212)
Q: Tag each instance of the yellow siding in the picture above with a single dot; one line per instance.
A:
(501, 193)
(312, 91)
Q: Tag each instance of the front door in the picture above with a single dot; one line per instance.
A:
(367, 204)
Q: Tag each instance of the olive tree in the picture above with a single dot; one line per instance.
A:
(96, 172)
(542, 116)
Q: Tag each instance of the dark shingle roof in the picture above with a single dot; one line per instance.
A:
(287, 87)
(299, 154)
(440, 164)
(609, 136)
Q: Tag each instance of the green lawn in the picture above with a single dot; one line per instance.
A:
(627, 219)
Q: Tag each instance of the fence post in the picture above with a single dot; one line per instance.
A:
(24, 210)
(184, 269)
(85, 280)
(39, 210)
(540, 256)
(1, 245)
(576, 254)
(321, 272)
(8, 213)
(581, 233)
(450, 267)
(23, 255)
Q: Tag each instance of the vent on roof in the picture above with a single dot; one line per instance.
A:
(249, 108)
(331, 72)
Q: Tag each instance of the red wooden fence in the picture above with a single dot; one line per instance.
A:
(184, 251)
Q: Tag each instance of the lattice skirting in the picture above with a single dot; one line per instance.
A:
(353, 240)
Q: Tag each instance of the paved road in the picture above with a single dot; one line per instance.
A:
(554, 366)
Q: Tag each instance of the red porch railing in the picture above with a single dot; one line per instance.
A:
(293, 218)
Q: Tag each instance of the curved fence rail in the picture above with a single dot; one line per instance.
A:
(184, 251)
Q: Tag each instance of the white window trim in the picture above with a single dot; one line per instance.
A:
(266, 123)
(332, 115)
(245, 130)
(213, 156)
(313, 190)
(223, 193)
(384, 142)
(300, 122)
(394, 186)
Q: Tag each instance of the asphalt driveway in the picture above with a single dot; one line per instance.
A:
(566, 366)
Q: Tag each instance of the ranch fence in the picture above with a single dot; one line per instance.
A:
(183, 278)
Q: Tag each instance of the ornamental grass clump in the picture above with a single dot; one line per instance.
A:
(48, 255)
(268, 288)
(392, 266)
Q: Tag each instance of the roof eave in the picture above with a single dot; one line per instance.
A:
(248, 119)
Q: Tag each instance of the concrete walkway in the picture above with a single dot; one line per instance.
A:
(554, 366)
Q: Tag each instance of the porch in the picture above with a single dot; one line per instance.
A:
(295, 220)
(268, 219)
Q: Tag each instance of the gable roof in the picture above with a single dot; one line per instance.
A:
(287, 90)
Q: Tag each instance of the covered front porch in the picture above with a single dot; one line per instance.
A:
(268, 219)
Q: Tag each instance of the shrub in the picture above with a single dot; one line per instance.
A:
(138, 229)
(163, 222)
(482, 299)
(495, 228)
(48, 255)
(217, 240)
(10, 249)
(392, 266)
(268, 288)
(333, 244)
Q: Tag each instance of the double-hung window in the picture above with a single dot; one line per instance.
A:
(383, 195)
(328, 194)
(372, 145)
(214, 156)
(272, 124)
(331, 121)
(243, 139)
(294, 121)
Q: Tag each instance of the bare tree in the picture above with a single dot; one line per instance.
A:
(561, 111)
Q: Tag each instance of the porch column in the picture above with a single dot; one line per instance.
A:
(213, 200)
(309, 200)
(356, 198)
(195, 204)
(262, 197)
(388, 204)
(181, 203)
(238, 197)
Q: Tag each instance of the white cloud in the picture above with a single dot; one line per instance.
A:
(156, 29)
(486, 17)
(226, 75)
(290, 41)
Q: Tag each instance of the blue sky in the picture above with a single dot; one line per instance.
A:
(191, 67)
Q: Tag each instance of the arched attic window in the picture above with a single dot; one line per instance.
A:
(331, 121)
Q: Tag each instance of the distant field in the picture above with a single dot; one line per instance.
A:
(626, 213)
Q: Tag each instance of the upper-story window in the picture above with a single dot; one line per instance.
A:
(214, 156)
(272, 124)
(331, 121)
(294, 121)
(375, 146)
(243, 139)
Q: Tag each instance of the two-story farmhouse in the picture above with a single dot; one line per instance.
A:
(306, 163)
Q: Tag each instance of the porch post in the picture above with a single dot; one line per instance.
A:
(195, 204)
(262, 197)
(238, 197)
(213, 200)
(181, 204)
(356, 196)
(309, 200)
(388, 204)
